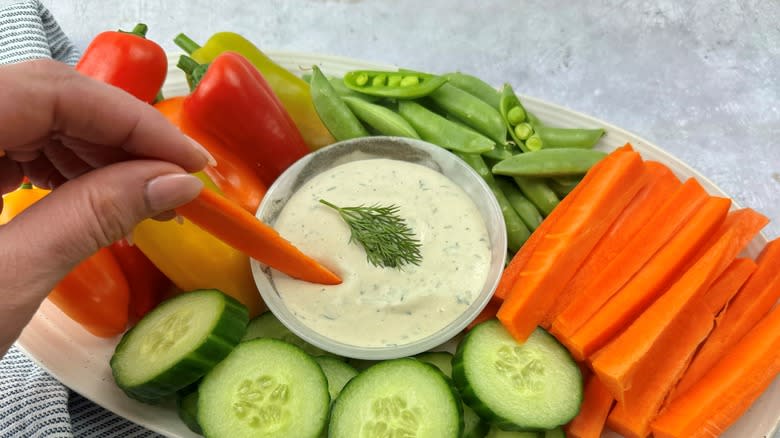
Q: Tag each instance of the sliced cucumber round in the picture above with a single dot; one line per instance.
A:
(267, 325)
(535, 385)
(498, 433)
(177, 343)
(265, 387)
(337, 372)
(473, 426)
(187, 407)
(400, 397)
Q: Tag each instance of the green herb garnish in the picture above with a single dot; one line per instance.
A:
(385, 236)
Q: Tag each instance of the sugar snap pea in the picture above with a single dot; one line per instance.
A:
(549, 162)
(438, 130)
(563, 185)
(517, 232)
(398, 85)
(475, 86)
(383, 120)
(554, 137)
(524, 208)
(471, 111)
(501, 152)
(514, 116)
(334, 113)
(343, 91)
(538, 192)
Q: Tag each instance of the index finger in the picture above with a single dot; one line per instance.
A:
(51, 99)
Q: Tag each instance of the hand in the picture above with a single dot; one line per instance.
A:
(112, 160)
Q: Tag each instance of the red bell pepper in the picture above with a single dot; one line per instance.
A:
(147, 283)
(126, 60)
(233, 102)
(231, 175)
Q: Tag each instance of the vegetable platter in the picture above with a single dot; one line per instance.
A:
(81, 361)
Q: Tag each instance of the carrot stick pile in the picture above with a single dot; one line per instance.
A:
(639, 275)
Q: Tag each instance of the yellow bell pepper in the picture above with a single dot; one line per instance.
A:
(194, 259)
(292, 91)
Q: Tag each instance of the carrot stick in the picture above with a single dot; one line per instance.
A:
(238, 228)
(727, 389)
(518, 262)
(569, 241)
(643, 245)
(728, 284)
(596, 403)
(650, 282)
(661, 183)
(617, 363)
(750, 304)
(656, 377)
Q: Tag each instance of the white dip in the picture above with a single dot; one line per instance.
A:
(376, 306)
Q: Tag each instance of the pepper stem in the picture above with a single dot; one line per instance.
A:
(187, 64)
(140, 30)
(186, 43)
(192, 70)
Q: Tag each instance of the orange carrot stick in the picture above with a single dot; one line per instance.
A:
(617, 363)
(727, 389)
(518, 262)
(755, 300)
(569, 241)
(596, 403)
(668, 220)
(661, 183)
(238, 228)
(650, 282)
(728, 284)
(656, 377)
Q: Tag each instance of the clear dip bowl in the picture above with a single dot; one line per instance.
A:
(397, 148)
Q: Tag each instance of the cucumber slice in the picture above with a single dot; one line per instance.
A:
(440, 359)
(555, 433)
(498, 433)
(531, 386)
(337, 372)
(265, 387)
(400, 397)
(187, 407)
(473, 426)
(267, 325)
(177, 343)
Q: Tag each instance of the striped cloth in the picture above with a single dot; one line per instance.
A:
(32, 402)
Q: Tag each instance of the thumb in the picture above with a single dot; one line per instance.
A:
(50, 238)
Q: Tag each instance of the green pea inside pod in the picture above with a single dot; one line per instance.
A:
(403, 84)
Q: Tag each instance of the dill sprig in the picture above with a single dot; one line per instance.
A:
(385, 236)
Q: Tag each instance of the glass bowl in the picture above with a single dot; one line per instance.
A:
(396, 148)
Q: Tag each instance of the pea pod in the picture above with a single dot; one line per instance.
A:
(471, 111)
(553, 137)
(514, 115)
(398, 85)
(539, 193)
(476, 87)
(516, 231)
(524, 208)
(549, 162)
(438, 130)
(382, 119)
(500, 152)
(562, 186)
(333, 112)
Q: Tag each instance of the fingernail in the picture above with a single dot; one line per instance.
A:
(209, 158)
(167, 192)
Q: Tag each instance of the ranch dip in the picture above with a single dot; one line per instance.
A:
(380, 306)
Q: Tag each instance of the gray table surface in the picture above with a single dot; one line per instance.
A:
(699, 78)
